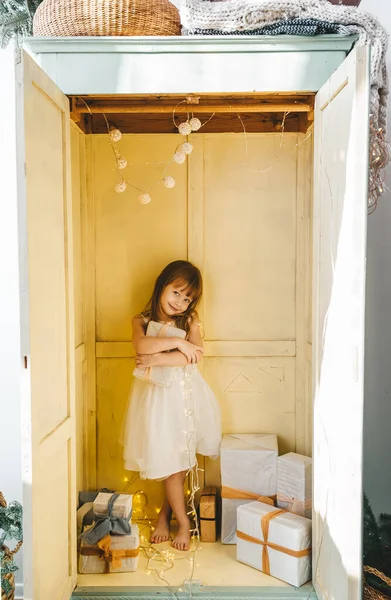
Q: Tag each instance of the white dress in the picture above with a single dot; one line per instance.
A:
(160, 421)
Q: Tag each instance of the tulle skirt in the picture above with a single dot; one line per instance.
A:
(165, 427)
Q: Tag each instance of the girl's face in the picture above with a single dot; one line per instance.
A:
(174, 300)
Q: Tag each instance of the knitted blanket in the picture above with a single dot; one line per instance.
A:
(304, 17)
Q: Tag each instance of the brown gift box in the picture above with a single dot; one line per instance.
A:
(208, 514)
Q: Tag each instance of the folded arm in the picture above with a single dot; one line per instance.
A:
(150, 345)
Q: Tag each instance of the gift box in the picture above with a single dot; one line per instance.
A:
(111, 554)
(275, 541)
(248, 472)
(294, 484)
(89, 496)
(208, 514)
(121, 509)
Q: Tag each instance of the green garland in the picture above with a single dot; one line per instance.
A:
(16, 19)
(11, 528)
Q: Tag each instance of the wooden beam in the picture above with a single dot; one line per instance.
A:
(200, 109)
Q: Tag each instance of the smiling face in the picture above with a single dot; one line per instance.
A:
(175, 300)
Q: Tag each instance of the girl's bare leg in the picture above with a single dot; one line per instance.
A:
(161, 532)
(176, 499)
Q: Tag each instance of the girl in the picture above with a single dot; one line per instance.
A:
(157, 425)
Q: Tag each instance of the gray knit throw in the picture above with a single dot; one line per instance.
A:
(300, 17)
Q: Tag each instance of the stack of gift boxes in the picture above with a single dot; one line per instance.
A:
(266, 506)
(109, 542)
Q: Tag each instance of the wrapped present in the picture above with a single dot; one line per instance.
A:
(294, 484)
(275, 541)
(121, 509)
(248, 472)
(111, 554)
(89, 496)
(208, 514)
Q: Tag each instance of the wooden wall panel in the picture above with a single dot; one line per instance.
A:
(133, 241)
(249, 236)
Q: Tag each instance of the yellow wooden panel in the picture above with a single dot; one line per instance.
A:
(133, 241)
(48, 342)
(249, 237)
(77, 159)
(114, 377)
(80, 425)
(51, 547)
(255, 395)
(47, 261)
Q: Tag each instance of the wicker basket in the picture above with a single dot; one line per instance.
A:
(8, 556)
(106, 17)
(369, 593)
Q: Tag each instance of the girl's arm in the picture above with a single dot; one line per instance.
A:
(162, 359)
(150, 345)
(176, 358)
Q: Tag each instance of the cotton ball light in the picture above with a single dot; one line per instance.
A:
(120, 186)
(184, 128)
(121, 162)
(186, 147)
(179, 157)
(115, 135)
(195, 124)
(169, 182)
(144, 198)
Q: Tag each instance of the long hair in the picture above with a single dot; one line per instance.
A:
(185, 274)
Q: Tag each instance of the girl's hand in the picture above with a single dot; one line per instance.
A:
(192, 352)
(146, 360)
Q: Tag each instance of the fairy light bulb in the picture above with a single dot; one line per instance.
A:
(195, 124)
(144, 198)
(186, 147)
(120, 187)
(115, 135)
(184, 128)
(179, 157)
(121, 162)
(169, 182)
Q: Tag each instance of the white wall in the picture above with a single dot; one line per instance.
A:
(10, 456)
(377, 419)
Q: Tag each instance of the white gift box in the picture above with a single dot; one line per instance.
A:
(122, 507)
(249, 465)
(294, 483)
(91, 556)
(286, 532)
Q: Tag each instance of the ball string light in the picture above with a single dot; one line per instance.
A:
(379, 155)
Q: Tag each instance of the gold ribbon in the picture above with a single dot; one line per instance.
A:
(265, 521)
(234, 494)
(160, 333)
(113, 558)
(294, 504)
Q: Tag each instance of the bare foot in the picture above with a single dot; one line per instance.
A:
(182, 538)
(161, 532)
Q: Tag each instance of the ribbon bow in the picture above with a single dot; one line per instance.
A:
(106, 525)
